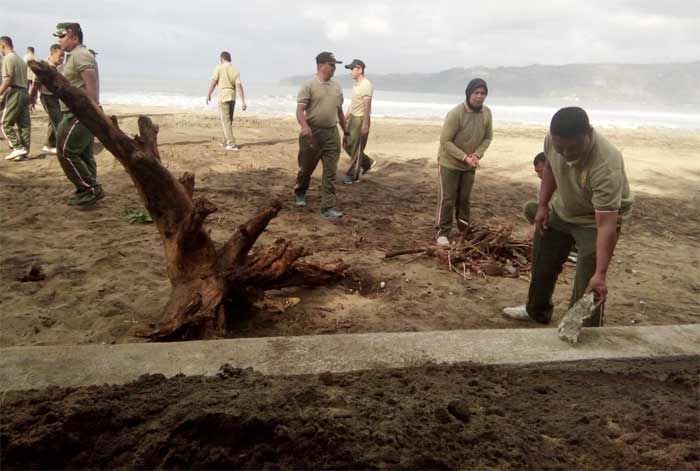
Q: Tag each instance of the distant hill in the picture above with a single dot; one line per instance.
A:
(667, 84)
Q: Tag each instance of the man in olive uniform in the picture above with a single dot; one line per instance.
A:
(358, 119)
(229, 81)
(583, 198)
(15, 102)
(74, 140)
(319, 110)
(29, 56)
(51, 103)
(466, 134)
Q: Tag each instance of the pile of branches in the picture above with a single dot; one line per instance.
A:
(480, 250)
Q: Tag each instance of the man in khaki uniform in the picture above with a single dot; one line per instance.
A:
(466, 134)
(358, 119)
(74, 140)
(51, 104)
(583, 198)
(229, 81)
(15, 102)
(29, 56)
(319, 110)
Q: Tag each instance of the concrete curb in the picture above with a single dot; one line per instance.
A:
(39, 367)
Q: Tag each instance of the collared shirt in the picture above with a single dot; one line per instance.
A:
(226, 77)
(42, 87)
(30, 73)
(322, 100)
(13, 66)
(78, 60)
(464, 131)
(596, 182)
(361, 89)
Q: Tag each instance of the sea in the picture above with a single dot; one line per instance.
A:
(277, 99)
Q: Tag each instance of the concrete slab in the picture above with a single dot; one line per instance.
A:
(38, 367)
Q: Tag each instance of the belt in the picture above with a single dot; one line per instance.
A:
(18, 87)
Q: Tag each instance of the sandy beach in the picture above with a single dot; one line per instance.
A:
(105, 279)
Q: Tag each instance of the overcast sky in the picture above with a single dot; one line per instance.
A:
(273, 39)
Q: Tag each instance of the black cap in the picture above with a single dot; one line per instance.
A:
(326, 56)
(355, 63)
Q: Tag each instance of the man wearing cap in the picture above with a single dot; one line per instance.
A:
(229, 80)
(358, 119)
(583, 198)
(466, 134)
(51, 103)
(15, 102)
(319, 110)
(74, 140)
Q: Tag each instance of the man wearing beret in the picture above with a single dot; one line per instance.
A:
(319, 110)
(74, 140)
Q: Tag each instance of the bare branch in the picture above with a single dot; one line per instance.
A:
(236, 248)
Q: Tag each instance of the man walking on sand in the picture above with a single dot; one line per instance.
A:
(15, 102)
(583, 198)
(74, 140)
(358, 120)
(228, 79)
(51, 104)
(466, 134)
(319, 110)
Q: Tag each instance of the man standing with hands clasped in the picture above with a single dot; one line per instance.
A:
(319, 110)
(583, 198)
(465, 136)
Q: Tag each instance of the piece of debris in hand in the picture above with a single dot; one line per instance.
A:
(571, 323)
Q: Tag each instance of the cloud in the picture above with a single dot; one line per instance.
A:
(270, 39)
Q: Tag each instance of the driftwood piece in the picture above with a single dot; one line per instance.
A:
(209, 284)
(480, 250)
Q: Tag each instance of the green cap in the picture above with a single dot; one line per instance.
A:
(63, 28)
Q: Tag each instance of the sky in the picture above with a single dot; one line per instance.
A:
(269, 40)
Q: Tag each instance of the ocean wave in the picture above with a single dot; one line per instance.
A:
(414, 106)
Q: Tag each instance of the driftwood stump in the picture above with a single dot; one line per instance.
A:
(210, 284)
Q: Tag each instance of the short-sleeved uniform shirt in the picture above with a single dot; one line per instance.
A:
(30, 73)
(596, 182)
(42, 87)
(78, 60)
(360, 90)
(322, 100)
(13, 66)
(226, 77)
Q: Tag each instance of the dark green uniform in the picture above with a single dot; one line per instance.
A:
(597, 182)
(75, 141)
(465, 131)
(15, 103)
(52, 106)
(322, 100)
